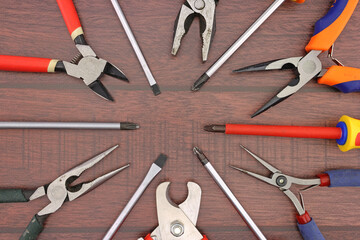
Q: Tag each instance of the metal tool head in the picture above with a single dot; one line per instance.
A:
(90, 69)
(177, 222)
(60, 190)
(281, 181)
(307, 68)
(205, 10)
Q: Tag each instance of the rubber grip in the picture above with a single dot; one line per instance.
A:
(34, 228)
(328, 28)
(310, 231)
(24, 64)
(148, 237)
(12, 195)
(205, 238)
(351, 131)
(71, 17)
(344, 178)
(345, 79)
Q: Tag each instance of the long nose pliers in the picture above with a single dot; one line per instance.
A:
(327, 30)
(332, 178)
(205, 10)
(86, 65)
(58, 192)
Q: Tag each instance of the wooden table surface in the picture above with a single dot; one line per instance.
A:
(172, 122)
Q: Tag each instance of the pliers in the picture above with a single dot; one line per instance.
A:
(58, 192)
(86, 65)
(332, 178)
(177, 221)
(327, 30)
(205, 9)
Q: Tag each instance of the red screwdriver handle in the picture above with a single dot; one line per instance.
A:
(27, 64)
(71, 17)
(284, 131)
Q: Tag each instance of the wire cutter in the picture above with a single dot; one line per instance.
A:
(177, 221)
(205, 9)
(332, 178)
(58, 192)
(85, 65)
(327, 30)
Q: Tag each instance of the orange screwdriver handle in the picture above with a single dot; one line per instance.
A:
(328, 28)
(345, 79)
(71, 17)
(27, 64)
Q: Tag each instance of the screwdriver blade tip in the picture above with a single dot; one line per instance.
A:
(129, 126)
(215, 128)
(160, 161)
(155, 88)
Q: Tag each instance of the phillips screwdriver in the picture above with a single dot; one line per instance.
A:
(346, 131)
(236, 45)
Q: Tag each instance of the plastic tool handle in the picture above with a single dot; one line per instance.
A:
(350, 138)
(148, 237)
(34, 228)
(15, 195)
(340, 178)
(71, 17)
(27, 64)
(284, 131)
(328, 28)
(345, 79)
(310, 231)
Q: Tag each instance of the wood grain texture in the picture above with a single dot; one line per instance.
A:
(172, 122)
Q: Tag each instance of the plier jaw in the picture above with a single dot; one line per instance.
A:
(205, 10)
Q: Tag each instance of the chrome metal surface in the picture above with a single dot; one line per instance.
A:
(59, 125)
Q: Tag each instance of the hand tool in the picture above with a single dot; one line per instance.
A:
(346, 131)
(220, 182)
(177, 221)
(327, 30)
(155, 88)
(69, 125)
(333, 178)
(232, 49)
(58, 192)
(85, 66)
(155, 168)
(205, 10)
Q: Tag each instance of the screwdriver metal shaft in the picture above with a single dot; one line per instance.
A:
(203, 159)
(206, 76)
(69, 125)
(155, 88)
(153, 171)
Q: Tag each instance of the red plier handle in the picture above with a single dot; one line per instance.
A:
(71, 18)
(27, 64)
(148, 237)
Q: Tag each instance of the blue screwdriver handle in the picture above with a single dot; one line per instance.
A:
(310, 231)
(344, 178)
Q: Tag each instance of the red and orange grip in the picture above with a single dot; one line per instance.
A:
(71, 17)
(148, 237)
(345, 79)
(328, 28)
(27, 64)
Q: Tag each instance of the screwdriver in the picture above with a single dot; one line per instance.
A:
(239, 42)
(346, 131)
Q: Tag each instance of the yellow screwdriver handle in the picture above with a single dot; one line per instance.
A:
(350, 133)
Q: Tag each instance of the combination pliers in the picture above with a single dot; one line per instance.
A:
(177, 221)
(332, 178)
(86, 65)
(58, 192)
(327, 30)
(205, 10)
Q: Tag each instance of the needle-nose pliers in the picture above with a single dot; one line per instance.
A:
(327, 30)
(86, 65)
(332, 178)
(205, 9)
(58, 192)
